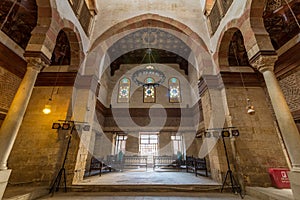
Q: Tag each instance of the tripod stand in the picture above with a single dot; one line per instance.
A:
(62, 171)
(233, 183)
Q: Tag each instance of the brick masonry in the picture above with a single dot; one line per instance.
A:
(290, 86)
(9, 84)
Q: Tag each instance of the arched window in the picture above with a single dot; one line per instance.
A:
(124, 90)
(174, 90)
(149, 91)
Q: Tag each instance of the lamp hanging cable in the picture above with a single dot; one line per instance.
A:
(47, 108)
(249, 107)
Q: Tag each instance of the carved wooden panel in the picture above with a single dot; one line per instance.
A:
(215, 18)
(85, 18)
(18, 20)
(75, 4)
(281, 23)
(226, 4)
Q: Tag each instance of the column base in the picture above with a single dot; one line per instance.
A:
(4, 176)
(294, 177)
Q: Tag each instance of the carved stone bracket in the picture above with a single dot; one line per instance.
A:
(36, 63)
(264, 61)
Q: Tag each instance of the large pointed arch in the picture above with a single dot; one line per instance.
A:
(150, 20)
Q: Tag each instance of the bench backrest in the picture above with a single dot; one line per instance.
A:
(135, 159)
(163, 159)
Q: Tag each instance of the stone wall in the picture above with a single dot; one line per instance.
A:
(258, 146)
(38, 151)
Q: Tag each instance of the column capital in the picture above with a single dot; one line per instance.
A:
(35, 63)
(264, 61)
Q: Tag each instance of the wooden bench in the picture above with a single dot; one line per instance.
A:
(164, 161)
(195, 165)
(113, 162)
(134, 161)
(97, 164)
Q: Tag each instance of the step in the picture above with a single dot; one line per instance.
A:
(270, 193)
(25, 193)
(149, 188)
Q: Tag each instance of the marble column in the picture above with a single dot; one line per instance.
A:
(14, 117)
(288, 128)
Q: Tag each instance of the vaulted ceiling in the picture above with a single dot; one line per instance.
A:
(165, 48)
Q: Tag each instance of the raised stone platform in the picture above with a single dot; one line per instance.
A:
(144, 188)
(270, 193)
(25, 193)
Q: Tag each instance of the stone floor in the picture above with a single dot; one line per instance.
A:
(166, 196)
(141, 176)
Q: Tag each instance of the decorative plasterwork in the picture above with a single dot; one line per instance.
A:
(165, 46)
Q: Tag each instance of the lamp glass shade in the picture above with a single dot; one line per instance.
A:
(47, 109)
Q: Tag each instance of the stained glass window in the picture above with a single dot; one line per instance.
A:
(174, 90)
(124, 90)
(149, 91)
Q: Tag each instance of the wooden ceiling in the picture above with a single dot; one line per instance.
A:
(157, 56)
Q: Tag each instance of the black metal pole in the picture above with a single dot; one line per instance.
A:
(234, 185)
(62, 171)
(226, 154)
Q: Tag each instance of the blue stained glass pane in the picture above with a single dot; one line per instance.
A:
(149, 80)
(174, 91)
(173, 80)
(125, 80)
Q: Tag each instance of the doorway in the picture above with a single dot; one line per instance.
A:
(148, 145)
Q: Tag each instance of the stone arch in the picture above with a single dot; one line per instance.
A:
(252, 28)
(226, 34)
(43, 39)
(100, 46)
(257, 36)
(192, 39)
(253, 32)
(75, 46)
(149, 20)
(224, 49)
